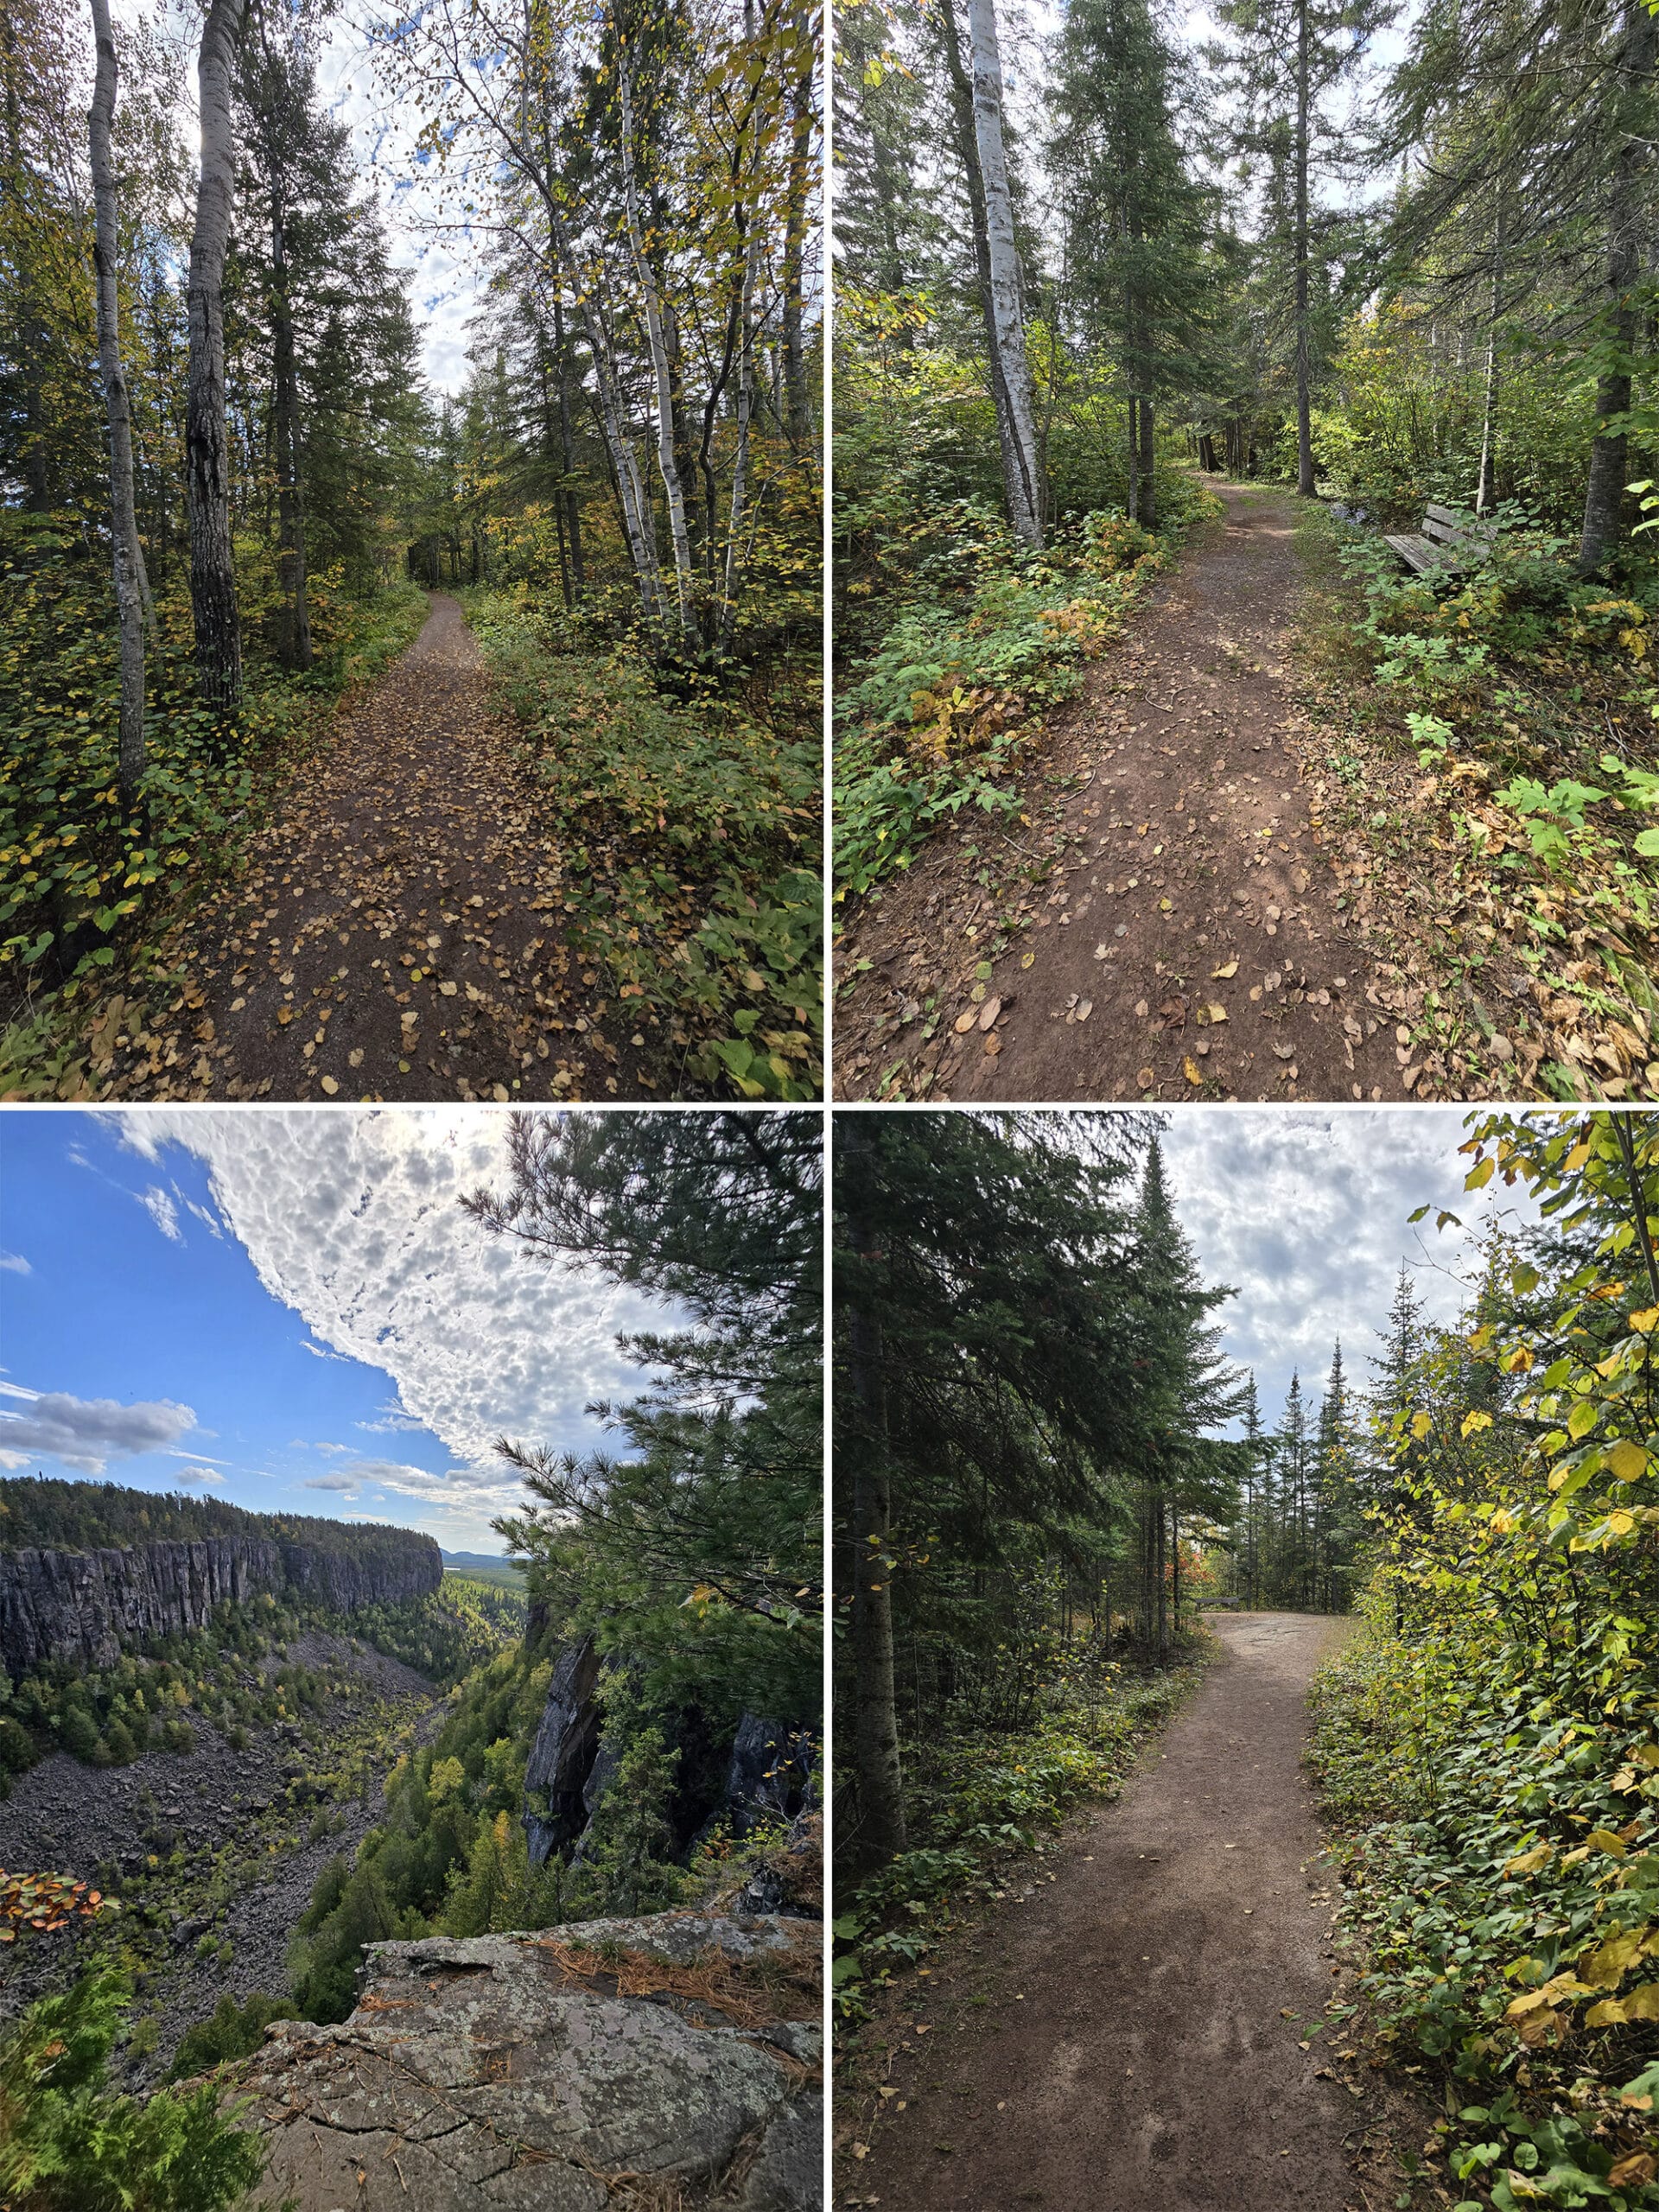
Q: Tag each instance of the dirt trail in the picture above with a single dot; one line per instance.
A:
(1134, 2055)
(1196, 854)
(395, 931)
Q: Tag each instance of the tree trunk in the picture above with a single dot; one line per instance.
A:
(124, 527)
(667, 463)
(1304, 411)
(880, 1833)
(294, 645)
(1485, 491)
(213, 578)
(1604, 497)
(798, 405)
(567, 460)
(1007, 330)
(1132, 503)
(1148, 514)
(961, 91)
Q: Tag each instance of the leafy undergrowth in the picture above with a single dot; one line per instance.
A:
(1497, 1855)
(69, 2139)
(86, 891)
(692, 834)
(976, 1799)
(1488, 772)
(987, 638)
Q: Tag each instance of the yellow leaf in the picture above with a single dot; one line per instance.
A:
(1192, 1071)
(1472, 1421)
(1420, 1424)
(1647, 1320)
(1225, 973)
(1642, 2004)
(1218, 1013)
(1627, 1461)
(1605, 1840)
(1582, 1419)
(1526, 1862)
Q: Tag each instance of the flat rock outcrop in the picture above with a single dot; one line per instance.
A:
(671, 2060)
(90, 1605)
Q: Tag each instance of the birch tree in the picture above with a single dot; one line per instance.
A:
(1024, 474)
(129, 560)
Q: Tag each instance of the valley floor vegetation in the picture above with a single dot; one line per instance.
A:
(239, 517)
(1069, 308)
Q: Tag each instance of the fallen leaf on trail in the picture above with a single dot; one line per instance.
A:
(330, 1085)
(965, 1021)
(284, 1015)
(1224, 974)
(354, 1058)
(1146, 1078)
(988, 1013)
(1216, 1013)
(1026, 959)
(1285, 1051)
(448, 990)
(1192, 1071)
(1085, 1008)
(993, 1045)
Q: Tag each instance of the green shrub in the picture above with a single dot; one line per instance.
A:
(690, 835)
(69, 2143)
(232, 2031)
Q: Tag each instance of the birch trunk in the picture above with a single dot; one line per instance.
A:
(666, 462)
(962, 99)
(1007, 330)
(745, 417)
(213, 578)
(1304, 406)
(567, 463)
(124, 527)
(798, 406)
(1603, 498)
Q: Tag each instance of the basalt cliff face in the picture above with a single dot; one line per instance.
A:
(90, 1605)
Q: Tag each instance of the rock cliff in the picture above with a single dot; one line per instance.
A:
(672, 2060)
(89, 1606)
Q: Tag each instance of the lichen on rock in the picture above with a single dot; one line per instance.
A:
(670, 2061)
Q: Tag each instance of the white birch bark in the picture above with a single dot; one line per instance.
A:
(1008, 336)
(669, 467)
(130, 592)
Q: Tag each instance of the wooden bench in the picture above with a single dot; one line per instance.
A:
(1445, 543)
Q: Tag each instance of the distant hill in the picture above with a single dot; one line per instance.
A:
(484, 1566)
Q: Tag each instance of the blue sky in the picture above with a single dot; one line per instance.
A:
(285, 1309)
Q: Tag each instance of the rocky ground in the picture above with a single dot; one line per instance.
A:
(193, 1815)
(672, 2061)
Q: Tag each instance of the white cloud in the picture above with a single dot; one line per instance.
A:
(13, 1263)
(352, 1220)
(346, 1484)
(17, 1390)
(88, 1433)
(1305, 1210)
(157, 1204)
(194, 1475)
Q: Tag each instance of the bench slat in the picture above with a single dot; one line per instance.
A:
(1440, 532)
(1442, 514)
(1416, 552)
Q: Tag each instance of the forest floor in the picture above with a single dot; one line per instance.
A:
(394, 930)
(1175, 928)
(1039, 2065)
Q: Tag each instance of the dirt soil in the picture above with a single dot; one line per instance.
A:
(395, 931)
(1189, 945)
(1131, 2035)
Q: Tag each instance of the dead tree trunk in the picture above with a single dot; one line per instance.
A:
(1007, 326)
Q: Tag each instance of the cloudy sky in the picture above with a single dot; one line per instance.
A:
(1305, 1211)
(287, 1309)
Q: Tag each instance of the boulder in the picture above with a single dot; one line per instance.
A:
(672, 2058)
